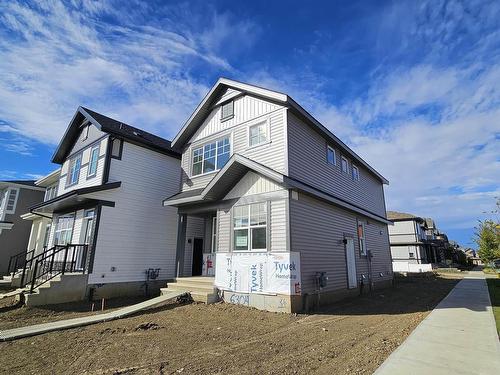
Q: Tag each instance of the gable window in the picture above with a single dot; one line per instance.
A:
(250, 227)
(211, 157)
(74, 169)
(257, 134)
(12, 200)
(361, 238)
(85, 132)
(227, 111)
(94, 158)
(345, 166)
(330, 156)
(355, 173)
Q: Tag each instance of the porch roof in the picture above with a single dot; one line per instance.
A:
(74, 198)
(223, 181)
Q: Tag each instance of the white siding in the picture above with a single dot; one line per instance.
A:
(138, 233)
(402, 232)
(271, 154)
(252, 183)
(278, 228)
(307, 162)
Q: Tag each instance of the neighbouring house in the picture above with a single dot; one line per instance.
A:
(106, 226)
(277, 209)
(15, 199)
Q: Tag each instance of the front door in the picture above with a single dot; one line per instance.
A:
(197, 257)
(351, 263)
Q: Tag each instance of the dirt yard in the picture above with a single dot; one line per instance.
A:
(353, 337)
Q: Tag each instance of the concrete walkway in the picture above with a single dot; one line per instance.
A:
(458, 337)
(17, 333)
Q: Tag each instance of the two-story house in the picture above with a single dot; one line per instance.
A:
(272, 204)
(104, 207)
(15, 198)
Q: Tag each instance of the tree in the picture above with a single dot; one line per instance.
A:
(487, 237)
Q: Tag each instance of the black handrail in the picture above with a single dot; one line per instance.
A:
(28, 265)
(19, 260)
(69, 258)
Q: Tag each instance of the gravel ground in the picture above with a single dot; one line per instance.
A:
(352, 337)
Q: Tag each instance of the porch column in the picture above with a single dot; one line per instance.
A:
(181, 244)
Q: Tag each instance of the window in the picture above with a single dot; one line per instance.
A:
(257, 134)
(214, 234)
(227, 111)
(330, 156)
(64, 229)
(211, 157)
(11, 200)
(116, 149)
(85, 132)
(74, 170)
(361, 237)
(412, 255)
(46, 235)
(51, 192)
(250, 227)
(355, 173)
(94, 157)
(3, 194)
(345, 167)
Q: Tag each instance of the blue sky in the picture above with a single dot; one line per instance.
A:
(412, 86)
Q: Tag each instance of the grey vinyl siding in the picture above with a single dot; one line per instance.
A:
(15, 240)
(307, 163)
(317, 230)
(138, 233)
(224, 227)
(277, 226)
(271, 154)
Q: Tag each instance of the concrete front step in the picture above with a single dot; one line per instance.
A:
(60, 289)
(201, 288)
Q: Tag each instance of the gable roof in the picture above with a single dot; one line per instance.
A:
(402, 216)
(26, 184)
(211, 99)
(111, 126)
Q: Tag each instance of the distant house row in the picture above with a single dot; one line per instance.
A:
(254, 201)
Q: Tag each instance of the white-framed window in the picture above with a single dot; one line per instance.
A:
(51, 192)
(74, 169)
(85, 132)
(250, 227)
(211, 156)
(345, 165)
(257, 134)
(11, 200)
(330, 156)
(227, 110)
(355, 173)
(412, 255)
(64, 229)
(94, 158)
(361, 238)
(214, 234)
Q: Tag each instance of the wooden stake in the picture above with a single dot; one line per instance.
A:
(102, 305)
(93, 306)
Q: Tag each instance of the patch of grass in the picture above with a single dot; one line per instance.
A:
(494, 288)
(489, 270)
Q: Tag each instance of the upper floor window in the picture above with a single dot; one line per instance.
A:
(211, 157)
(227, 111)
(74, 169)
(257, 134)
(250, 227)
(330, 156)
(345, 165)
(51, 192)
(12, 200)
(355, 173)
(94, 157)
(85, 132)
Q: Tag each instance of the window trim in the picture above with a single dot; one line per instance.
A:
(73, 159)
(249, 228)
(354, 167)
(264, 122)
(7, 197)
(228, 117)
(92, 149)
(51, 188)
(330, 148)
(362, 239)
(57, 230)
(343, 158)
(85, 132)
(202, 147)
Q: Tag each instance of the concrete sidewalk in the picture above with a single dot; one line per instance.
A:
(17, 333)
(458, 337)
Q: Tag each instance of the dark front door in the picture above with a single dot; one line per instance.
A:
(197, 256)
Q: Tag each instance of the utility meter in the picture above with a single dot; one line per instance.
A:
(321, 279)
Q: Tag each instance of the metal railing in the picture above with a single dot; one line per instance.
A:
(19, 260)
(61, 259)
